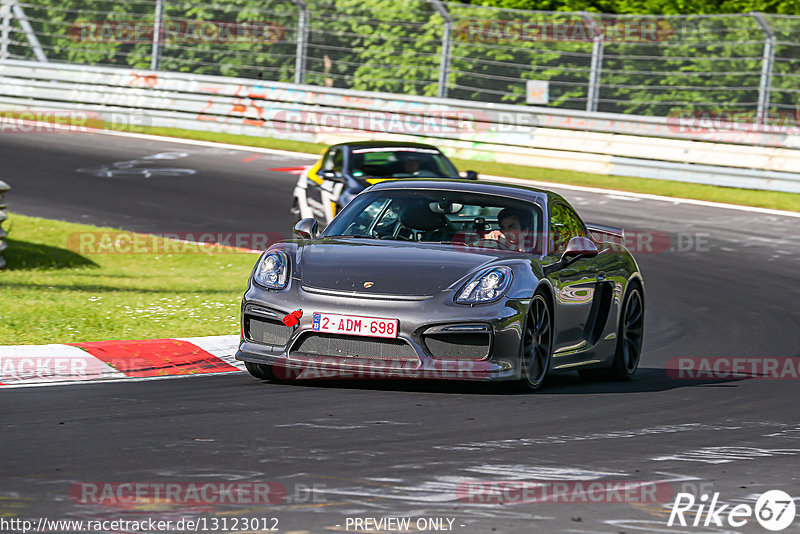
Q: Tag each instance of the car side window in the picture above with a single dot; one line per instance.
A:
(338, 161)
(564, 225)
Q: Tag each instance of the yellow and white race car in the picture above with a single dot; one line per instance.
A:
(346, 169)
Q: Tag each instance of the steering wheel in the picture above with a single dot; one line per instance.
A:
(497, 244)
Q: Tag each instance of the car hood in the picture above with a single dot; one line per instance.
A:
(394, 268)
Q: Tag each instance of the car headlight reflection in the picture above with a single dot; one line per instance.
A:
(272, 270)
(487, 286)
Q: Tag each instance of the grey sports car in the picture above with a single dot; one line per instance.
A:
(451, 279)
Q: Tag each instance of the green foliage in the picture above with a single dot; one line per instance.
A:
(685, 63)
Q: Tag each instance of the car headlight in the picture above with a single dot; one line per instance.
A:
(487, 286)
(272, 270)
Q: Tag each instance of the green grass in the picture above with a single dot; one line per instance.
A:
(50, 292)
(730, 195)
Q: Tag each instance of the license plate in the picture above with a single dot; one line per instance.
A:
(354, 325)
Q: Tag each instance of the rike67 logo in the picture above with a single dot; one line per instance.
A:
(774, 510)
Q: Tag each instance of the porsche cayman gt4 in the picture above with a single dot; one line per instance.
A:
(450, 279)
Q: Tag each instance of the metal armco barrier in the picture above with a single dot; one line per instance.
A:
(3, 188)
(736, 155)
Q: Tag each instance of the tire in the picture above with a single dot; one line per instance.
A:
(537, 343)
(630, 333)
(261, 371)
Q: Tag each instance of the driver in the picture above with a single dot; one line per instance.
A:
(411, 165)
(515, 229)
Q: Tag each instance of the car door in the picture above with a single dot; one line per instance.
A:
(574, 282)
(314, 182)
(325, 185)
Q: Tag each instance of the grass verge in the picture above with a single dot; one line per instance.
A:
(50, 292)
(711, 193)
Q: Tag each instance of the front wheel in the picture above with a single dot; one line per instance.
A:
(537, 343)
(630, 334)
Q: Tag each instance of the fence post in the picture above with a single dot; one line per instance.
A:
(5, 28)
(444, 62)
(596, 65)
(29, 33)
(302, 42)
(3, 188)
(767, 61)
(158, 32)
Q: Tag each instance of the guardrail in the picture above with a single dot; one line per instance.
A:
(3, 189)
(682, 149)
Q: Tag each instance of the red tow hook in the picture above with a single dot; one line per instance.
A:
(293, 318)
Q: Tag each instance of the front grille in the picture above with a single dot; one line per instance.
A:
(342, 346)
(269, 332)
(461, 346)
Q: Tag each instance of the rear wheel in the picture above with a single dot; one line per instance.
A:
(630, 334)
(537, 343)
(261, 371)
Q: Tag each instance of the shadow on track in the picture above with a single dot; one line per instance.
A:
(646, 380)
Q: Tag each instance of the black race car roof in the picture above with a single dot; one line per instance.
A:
(382, 144)
(521, 192)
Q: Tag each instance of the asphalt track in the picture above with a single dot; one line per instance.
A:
(378, 449)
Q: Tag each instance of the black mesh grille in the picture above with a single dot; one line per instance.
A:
(472, 346)
(269, 332)
(341, 346)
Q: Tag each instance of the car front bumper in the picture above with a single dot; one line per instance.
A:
(420, 320)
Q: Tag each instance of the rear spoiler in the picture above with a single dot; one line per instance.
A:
(607, 230)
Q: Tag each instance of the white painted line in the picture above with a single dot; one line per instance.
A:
(123, 379)
(223, 347)
(211, 144)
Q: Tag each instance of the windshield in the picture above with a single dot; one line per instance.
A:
(400, 162)
(469, 219)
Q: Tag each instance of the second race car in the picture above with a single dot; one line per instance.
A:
(346, 169)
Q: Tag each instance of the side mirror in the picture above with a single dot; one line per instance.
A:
(470, 175)
(580, 247)
(306, 228)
